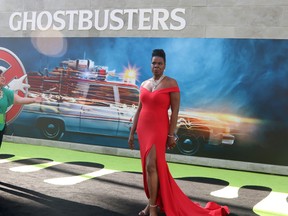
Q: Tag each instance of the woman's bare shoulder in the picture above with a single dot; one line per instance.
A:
(171, 82)
(144, 82)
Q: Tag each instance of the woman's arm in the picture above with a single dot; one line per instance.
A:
(175, 104)
(26, 100)
(135, 119)
(134, 126)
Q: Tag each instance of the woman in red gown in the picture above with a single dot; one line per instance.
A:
(155, 132)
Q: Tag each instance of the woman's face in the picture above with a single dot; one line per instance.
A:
(157, 66)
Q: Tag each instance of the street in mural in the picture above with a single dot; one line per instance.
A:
(232, 92)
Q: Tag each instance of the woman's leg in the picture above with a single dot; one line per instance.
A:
(152, 179)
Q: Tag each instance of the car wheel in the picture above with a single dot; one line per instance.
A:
(189, 143)
(51, 128)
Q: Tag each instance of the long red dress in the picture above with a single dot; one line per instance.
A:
(152, 129)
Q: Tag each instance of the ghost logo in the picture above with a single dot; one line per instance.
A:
(15, 76)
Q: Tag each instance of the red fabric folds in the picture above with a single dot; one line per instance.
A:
(152, 129)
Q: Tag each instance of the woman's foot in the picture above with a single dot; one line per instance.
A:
(144, 212)
(153, 210)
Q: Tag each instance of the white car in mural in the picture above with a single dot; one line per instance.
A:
(96, 106)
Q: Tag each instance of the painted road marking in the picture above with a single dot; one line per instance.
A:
(274, 204)
(228, 192)
(14, 158)
(4, 161)
(80, 178)
(34, 168)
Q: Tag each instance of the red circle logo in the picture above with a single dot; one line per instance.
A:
(15, 76)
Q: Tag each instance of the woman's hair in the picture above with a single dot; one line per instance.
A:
(159, 53)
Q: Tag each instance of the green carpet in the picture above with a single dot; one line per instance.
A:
(236, 178)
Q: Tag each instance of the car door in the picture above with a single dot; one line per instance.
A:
(99, 114)
(127, 105)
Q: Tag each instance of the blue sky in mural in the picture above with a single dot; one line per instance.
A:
(246, 77)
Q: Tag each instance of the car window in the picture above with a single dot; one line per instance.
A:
(100, 95)
(128, 96)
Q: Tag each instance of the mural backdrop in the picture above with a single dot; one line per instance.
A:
(233, 92)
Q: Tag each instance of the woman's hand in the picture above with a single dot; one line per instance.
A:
(38, 99)
(131, 141)
(171, 142)
(27, 100)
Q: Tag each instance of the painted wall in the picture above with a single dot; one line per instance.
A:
(228, 56)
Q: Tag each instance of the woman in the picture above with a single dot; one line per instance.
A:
(155, 132)
(7, 98)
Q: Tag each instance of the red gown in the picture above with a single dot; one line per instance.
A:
(152, 129)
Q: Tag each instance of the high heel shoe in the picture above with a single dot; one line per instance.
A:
(144, 212)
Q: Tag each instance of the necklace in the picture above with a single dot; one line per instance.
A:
(155, 83)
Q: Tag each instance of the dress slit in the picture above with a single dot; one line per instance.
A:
(144, 165)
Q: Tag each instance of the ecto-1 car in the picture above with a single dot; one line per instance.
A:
(76, 102)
